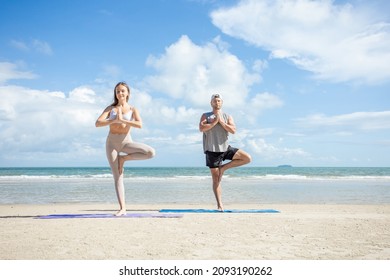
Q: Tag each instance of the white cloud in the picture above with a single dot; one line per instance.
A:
(82, 94)
(20, 45)
(178, 115)
(269, 151)
(162, 111)
(253, 141)
(266, 100)
(6, 112)
(36, 122)
(259, 65)
(42, 47)
(255, 106)
(337, 42)
(192, 73)
(11, 71)
(187, 75)
(35, 45)
(356, 120)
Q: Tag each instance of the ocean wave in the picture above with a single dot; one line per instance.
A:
(293, 177)
(266, 177)
(50, 177)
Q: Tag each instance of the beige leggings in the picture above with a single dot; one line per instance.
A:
(122, 143)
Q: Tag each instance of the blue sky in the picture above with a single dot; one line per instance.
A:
(307, 82)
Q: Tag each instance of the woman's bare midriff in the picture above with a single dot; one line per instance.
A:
(119, 128)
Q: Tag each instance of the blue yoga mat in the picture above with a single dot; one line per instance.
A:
(129, 215)
(217, 211)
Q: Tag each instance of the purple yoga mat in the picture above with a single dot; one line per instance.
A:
(102, 216)
(217, 211)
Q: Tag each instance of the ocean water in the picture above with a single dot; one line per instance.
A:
(181, 185)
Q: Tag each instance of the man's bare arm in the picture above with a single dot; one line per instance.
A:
(229, 126)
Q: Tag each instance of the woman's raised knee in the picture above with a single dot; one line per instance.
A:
(151, 153)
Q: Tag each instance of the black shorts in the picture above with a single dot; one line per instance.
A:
(215, 159)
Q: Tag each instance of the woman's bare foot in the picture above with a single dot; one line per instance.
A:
(121, 212)
(121, 162)
(220, 208)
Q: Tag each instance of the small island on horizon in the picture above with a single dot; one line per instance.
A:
(285, 165)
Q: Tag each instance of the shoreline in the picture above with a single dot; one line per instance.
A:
(298, 232)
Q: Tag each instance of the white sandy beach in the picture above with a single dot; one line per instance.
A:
(298, 232)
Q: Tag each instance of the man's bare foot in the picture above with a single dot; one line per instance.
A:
(121, 212)
(220, 208)
(121, 162)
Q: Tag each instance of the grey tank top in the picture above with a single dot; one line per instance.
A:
(215, 139)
